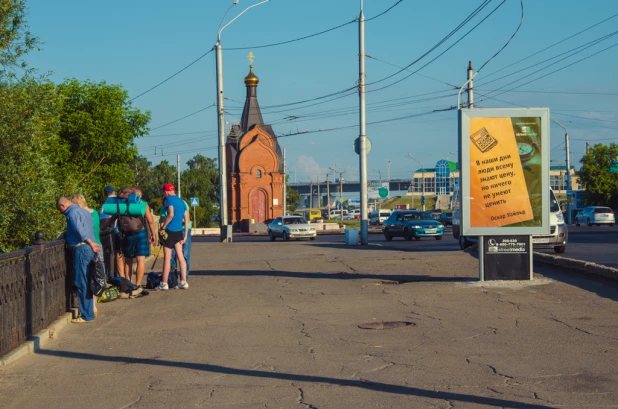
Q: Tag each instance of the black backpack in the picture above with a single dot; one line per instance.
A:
(130, 224)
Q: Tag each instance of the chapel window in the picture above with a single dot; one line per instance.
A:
(258, 174)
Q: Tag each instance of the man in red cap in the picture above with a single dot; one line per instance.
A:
(171, 229)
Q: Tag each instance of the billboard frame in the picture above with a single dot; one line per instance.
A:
(465, 161)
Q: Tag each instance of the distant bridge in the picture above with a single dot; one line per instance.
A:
(348, 187)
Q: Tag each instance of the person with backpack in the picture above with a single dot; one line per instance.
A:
(186, 247)
(110, 192)
(171, 232)
(137, 234)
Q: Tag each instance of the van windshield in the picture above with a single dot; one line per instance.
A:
(554, 206)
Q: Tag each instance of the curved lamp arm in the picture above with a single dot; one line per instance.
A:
(232, 20)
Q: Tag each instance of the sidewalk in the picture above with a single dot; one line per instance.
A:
(275, 325)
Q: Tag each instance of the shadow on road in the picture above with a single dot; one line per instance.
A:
(395, 278)
(373, 386)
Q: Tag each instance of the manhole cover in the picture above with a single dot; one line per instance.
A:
(385, 325)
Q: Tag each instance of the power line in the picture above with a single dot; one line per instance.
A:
(521, 2)
(442, 53)
(173, 75)
(184, 117)
(418, 73)
(177, 134)
(553, 45)
(552, 92)
(442, 41)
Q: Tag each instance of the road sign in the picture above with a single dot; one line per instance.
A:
(357, 145)
(422, 200)
(383, 192)
(195, 201)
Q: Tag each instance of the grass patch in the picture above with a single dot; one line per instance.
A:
(412, 202)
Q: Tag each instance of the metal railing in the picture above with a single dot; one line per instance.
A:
(36, 286)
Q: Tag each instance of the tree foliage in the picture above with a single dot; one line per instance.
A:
(15, 39)
(98, 127)
(601, 184)
(201, 180)
(292, 196)
(28, 123)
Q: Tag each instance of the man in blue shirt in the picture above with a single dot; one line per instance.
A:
(171, 229)
(79, 236)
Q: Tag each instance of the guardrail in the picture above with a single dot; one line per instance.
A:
(36, 286)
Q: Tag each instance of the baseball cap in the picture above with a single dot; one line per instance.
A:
(168, 187)
(109, 189)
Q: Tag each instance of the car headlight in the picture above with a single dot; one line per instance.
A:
(294, 230)
(440, 226)
(416, 226)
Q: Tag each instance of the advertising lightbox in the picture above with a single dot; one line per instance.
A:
(504, 171)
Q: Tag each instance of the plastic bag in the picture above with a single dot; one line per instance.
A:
(96, 280)
(108, 295)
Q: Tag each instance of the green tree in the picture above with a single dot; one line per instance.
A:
(201, 180)
(28, 124)
(292, 196)
(98, 127)
(159, 175)
(15, 39)
(601, 184)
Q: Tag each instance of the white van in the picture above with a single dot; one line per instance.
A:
(336, 214)
(377, 217)
(556, 239)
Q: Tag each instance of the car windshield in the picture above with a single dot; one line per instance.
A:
(294, 220)
(417, 216)
(554, 206)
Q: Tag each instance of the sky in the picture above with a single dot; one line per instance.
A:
(139, 43)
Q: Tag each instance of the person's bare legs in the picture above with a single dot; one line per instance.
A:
(120, 264)
(141, 268)
(167, 258)
(181, 261)
(128, 268)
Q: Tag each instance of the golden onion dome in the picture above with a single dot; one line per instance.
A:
(251, 80)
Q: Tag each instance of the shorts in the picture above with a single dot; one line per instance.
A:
(136, 245)
(173, 237)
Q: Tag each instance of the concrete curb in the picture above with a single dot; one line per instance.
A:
(37, 341)
(580, 266)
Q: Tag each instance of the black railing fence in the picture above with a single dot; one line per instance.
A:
(36, 286)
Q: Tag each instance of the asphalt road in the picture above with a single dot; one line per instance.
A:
(596, 244)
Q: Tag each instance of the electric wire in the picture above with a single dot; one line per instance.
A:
(418, 73)
(553, 45)
(173, 75)
(184, 117)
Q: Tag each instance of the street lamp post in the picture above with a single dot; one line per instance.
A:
(221, 124)
(422, 180)
(568, 168)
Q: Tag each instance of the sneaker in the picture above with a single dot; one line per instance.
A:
(162, 287)
(183, 285)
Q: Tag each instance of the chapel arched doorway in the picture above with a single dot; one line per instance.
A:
(258, 206)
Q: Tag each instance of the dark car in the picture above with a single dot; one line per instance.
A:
(412, 224)
(446, 218)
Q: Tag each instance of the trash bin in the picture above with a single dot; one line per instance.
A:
(352, 238)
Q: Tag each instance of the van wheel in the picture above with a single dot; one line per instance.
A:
(387, 236)
(285, 236)
(560, 249)
(407, 235)
(271, 236)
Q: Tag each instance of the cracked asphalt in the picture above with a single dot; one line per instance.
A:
(275, 325)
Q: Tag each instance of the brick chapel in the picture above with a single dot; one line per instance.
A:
(254, 166)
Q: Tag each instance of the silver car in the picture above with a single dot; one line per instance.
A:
(595, 215)
(291, 227)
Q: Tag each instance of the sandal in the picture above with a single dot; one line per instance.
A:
(79, 320)
(96, 313)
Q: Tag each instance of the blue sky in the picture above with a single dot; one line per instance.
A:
(139, 43)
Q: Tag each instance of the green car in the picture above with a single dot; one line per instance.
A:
(412, 224)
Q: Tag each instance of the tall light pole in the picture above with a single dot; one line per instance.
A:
(568, 167)
(221, 123)
(362, 151)
(422, 180)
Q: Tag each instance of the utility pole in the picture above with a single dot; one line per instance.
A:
(222, 159)
(178, 172)
(470, 86)
(568, 167)
(327, 197)
(319, 199)
(587, 147)
(285, 188)
(340, 190)
(364, 222)
(388, 174)
(311, 195)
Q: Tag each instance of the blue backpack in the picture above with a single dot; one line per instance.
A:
(153, 279)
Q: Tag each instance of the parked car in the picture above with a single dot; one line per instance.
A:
(353, 214)
(336, 214)
(291, 227)
(377, 217)
(446, 218)
(412, 224)
(595, 215)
